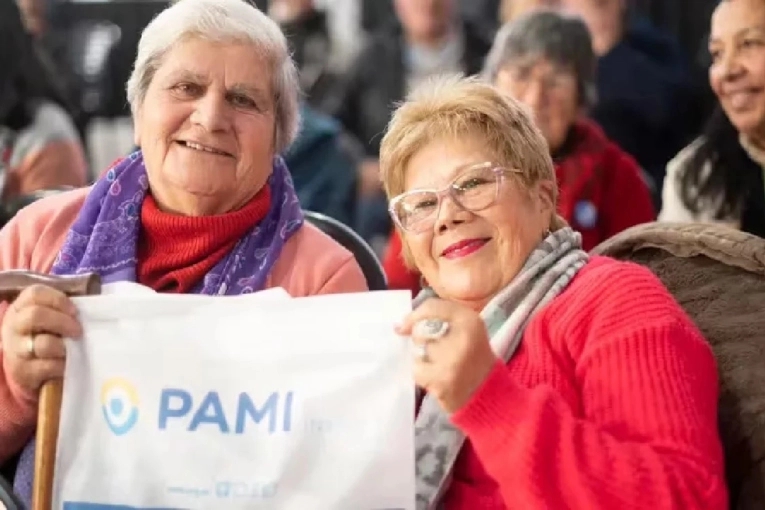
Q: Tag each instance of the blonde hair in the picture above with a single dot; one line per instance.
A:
(454, 107)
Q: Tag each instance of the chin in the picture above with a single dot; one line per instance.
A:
(747, 123)
(469, 287)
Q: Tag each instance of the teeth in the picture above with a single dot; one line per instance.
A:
(198, 147)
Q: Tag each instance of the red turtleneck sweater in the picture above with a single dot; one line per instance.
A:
(175, 252)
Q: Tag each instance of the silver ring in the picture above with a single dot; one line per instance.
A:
(30, 347)
(432, 329)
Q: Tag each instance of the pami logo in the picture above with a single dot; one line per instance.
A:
(119, 402)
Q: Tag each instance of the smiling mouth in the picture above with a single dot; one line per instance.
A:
(202, 148)
(464, 248)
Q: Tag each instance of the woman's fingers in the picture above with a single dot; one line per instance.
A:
(37, 372)
(48, 346)
(44, 296)
(33, 319)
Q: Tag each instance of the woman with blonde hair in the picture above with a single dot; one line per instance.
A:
(545, 60)
(546, 384)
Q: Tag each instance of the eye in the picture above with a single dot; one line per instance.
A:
(242, 101)
(471, 183)
(188, 89)
(715, 54)
(751, 43)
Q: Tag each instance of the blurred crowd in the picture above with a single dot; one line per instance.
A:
(637, 128)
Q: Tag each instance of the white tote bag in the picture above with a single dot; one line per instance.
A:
(238, 402)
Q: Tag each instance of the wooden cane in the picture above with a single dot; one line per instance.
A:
(49, 410)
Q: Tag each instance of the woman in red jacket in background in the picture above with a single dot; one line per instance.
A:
(545, 60)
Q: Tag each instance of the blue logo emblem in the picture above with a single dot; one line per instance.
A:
(585, 214)
(119, 402)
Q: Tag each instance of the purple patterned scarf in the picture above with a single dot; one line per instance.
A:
(104, 238)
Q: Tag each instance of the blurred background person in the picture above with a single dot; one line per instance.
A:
(545, 59)
(323, 161)
(719, 177)
(648, 102)
(307, 30)
(511, 9)
(39, 144)
(428, 38)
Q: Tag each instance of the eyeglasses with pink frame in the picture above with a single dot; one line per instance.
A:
(474, 189)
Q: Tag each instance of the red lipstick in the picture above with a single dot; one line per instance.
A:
(464, 248)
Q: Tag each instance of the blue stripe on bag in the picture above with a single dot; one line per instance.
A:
(79, 505)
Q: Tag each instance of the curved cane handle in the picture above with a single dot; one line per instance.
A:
(48, 414)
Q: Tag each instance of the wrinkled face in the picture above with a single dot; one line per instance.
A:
(470, 256)
(207, 127)
(550, 91)
(425, 19)
(737, 73)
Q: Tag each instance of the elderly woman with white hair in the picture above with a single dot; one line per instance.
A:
(206, 206)
(552, 379)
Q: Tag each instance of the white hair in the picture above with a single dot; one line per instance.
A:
(221, 21)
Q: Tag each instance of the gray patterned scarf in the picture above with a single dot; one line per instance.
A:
(548, 270)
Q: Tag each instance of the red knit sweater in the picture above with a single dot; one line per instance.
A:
(610, 402)
(175, 252)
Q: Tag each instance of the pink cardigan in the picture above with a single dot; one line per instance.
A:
(311, 263)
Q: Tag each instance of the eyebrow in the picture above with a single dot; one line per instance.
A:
(744, 31)
(453, 175)
(238, 88)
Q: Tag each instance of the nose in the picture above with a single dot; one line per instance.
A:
(450, 214)
(730, 66)
(211, 113)
(534, 95)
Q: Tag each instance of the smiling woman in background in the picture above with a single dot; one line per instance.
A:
(206, 207)
(719, 177)
(547, 385)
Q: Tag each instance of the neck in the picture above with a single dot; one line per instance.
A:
(197, 205)
(432, 40)
(758, 139)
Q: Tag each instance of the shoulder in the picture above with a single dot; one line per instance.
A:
(616, 313)
(32, 239)
(50, 124)
(673, 207)
(312, 263)
(593, 143)
(677, 163)
(611, 298)
(53, 123)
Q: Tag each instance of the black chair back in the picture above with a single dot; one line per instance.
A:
(8, 499)
(365, 256)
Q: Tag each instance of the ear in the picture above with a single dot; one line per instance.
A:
(545, 194)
